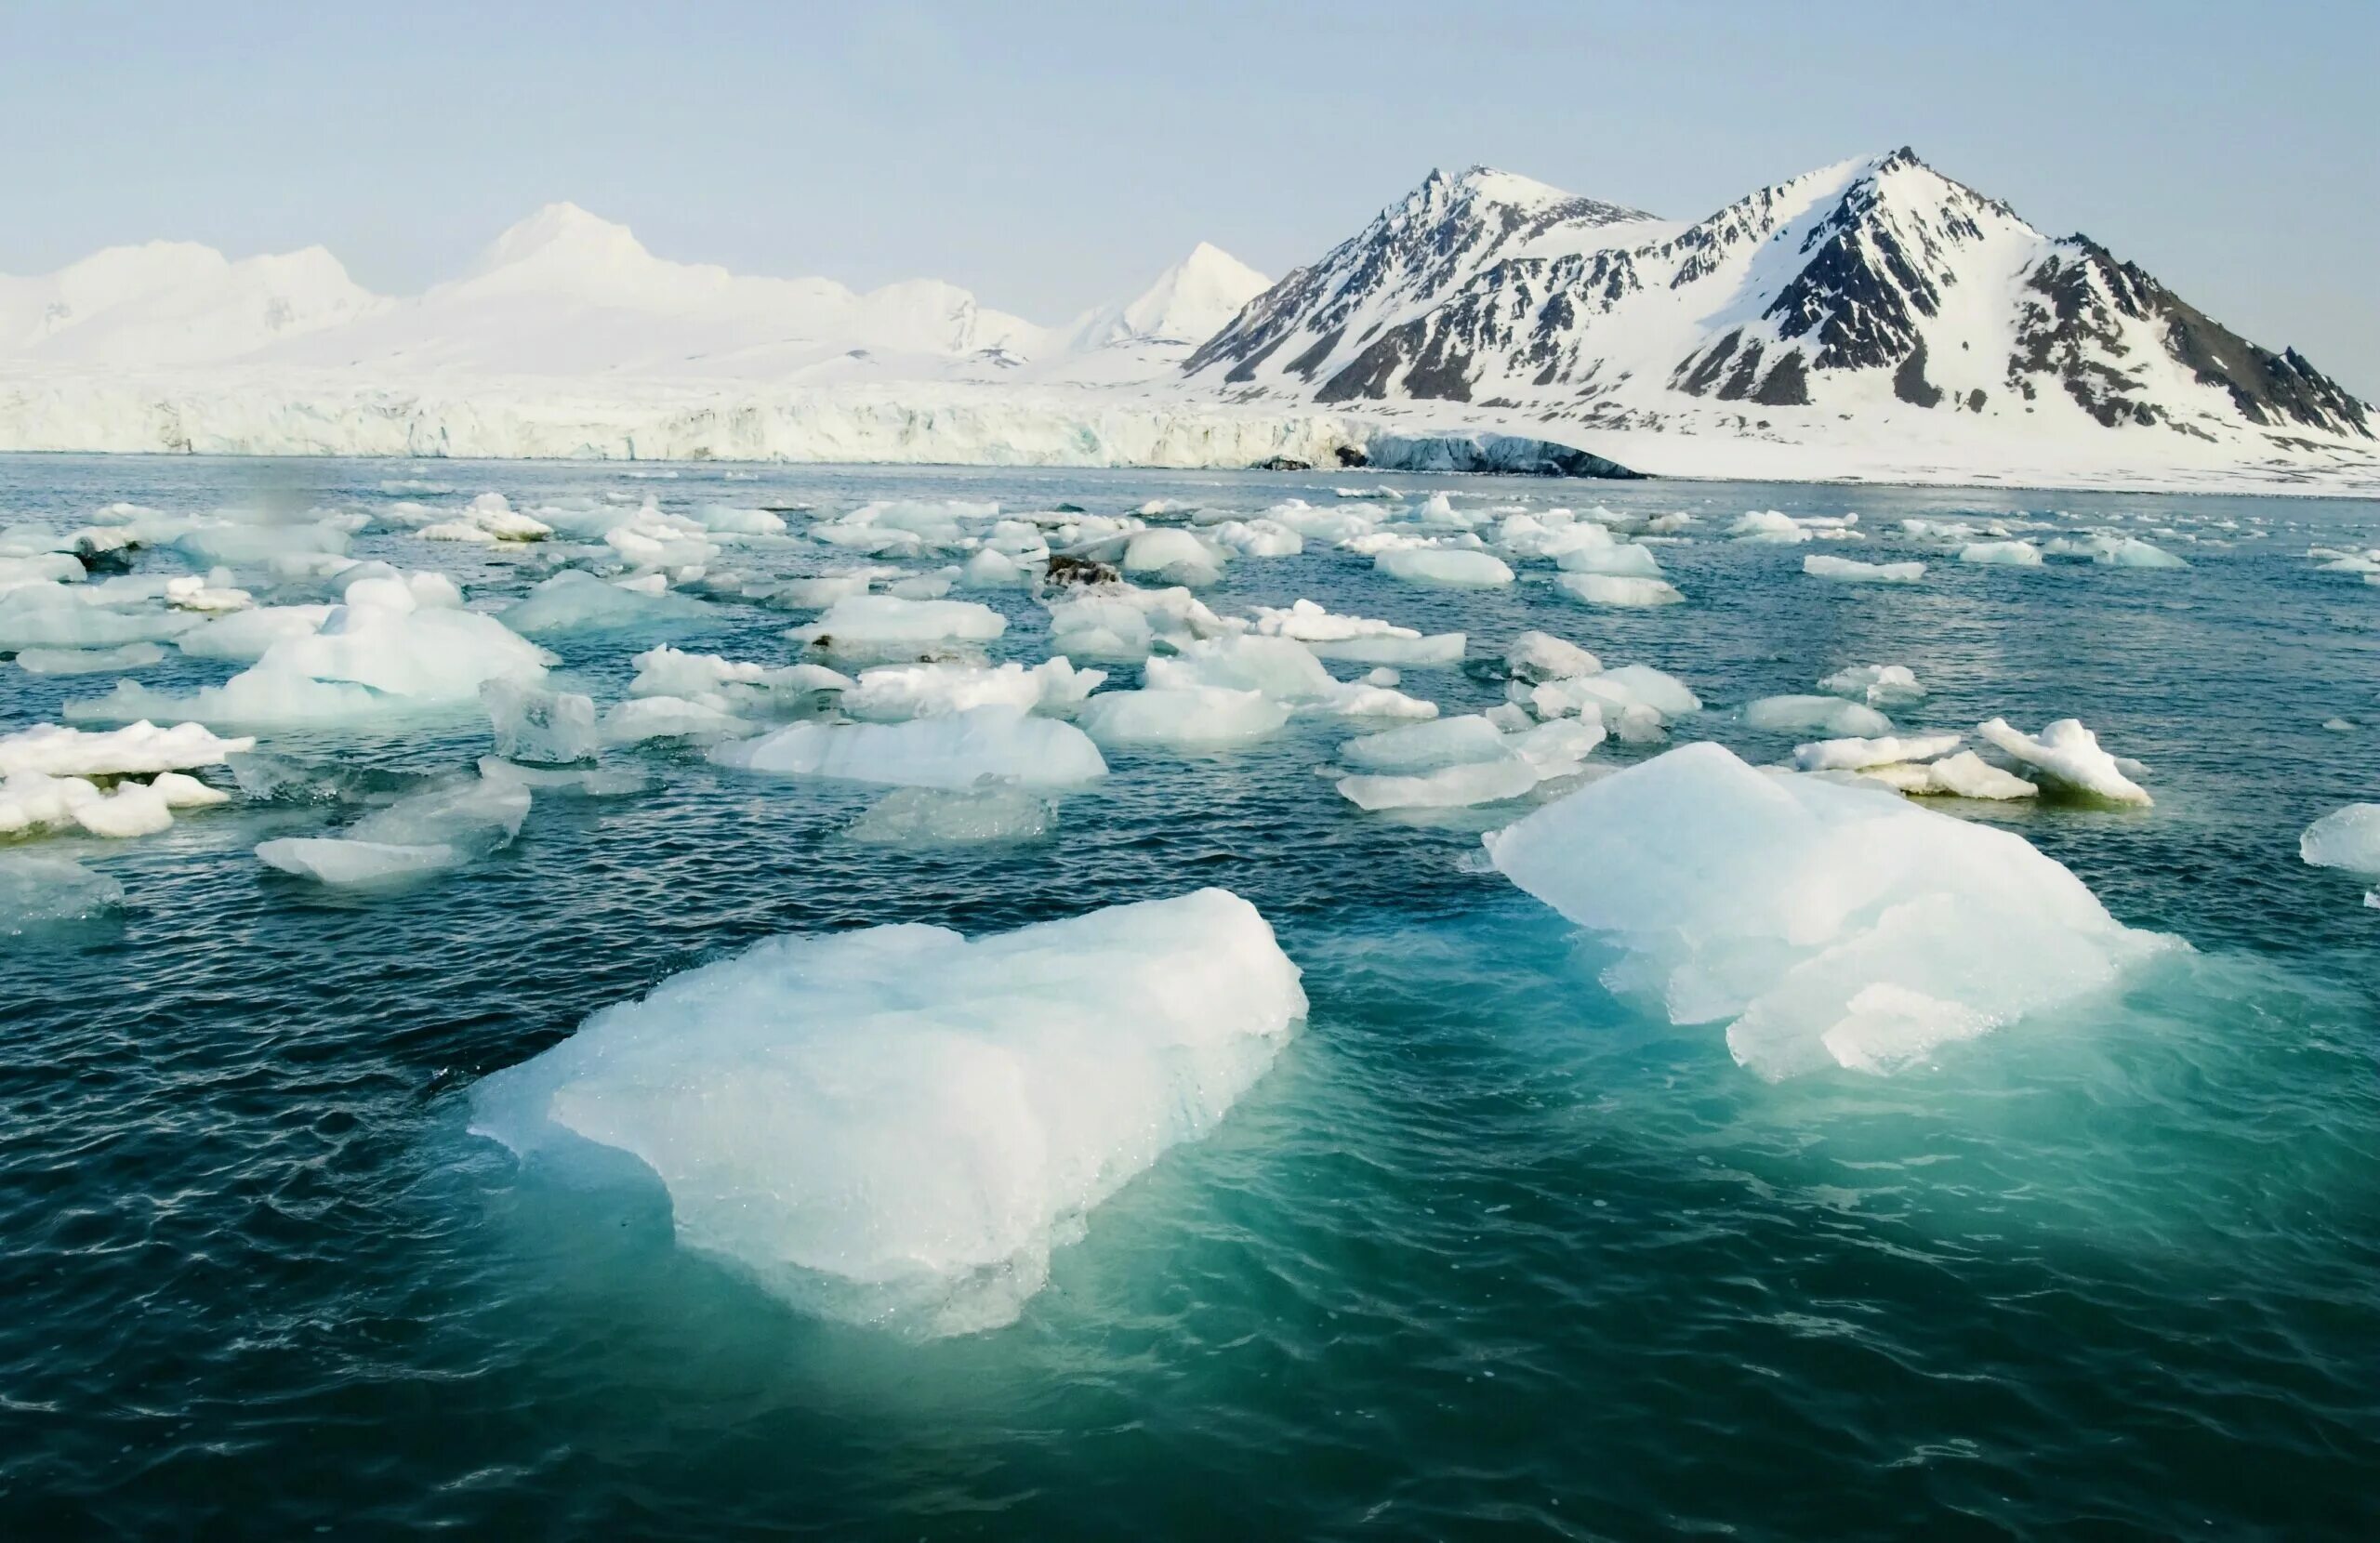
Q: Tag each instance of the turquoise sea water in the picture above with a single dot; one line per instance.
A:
(1488, 1250)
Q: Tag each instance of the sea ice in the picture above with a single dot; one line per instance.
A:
(929, 817)
(2005, 554)
(89, 661)
(1358, 639)
(649, 718)
(536, 725)
(35, 891)
(897, 1126)
(246, 635)
(893, 692)
(1836, 926)
(1877, 685)
(1623, 560)
(136, 748)
(1845, 569)
(574, 600)
(863, 622)
(1446, 567)
(1190, 718)
(953, 751)
(2068, 755)
(424, 833)
(1537, 657)
(2348, 838)
(1607, 589)
(1856, 755)
(1816, 715)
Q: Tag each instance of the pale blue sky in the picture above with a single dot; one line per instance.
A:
(1053, 159)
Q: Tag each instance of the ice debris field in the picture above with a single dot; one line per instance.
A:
(1833, 847)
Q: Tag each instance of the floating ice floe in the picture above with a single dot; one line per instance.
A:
(576, 601)
(1819, 566)
(2003, 554)
(1123, 622)
(931, 817)
(896, 1127)
(1616, 560)
(1181, 718)
(89, 661)
(1816, 715)
(426, 833)
(86, 616)
(395, 646)
(487, 518)
(1856, 754)
(1877, 685)
(2346, 838)
(730, 686)
(2113, 551)
(860, 623)
(2068, 755)
(1537, 657)
(38, 891)
(1456, 762)
(1358, 639)
(1607, 590)
(135, 749)
(893, 692)
(1173, 557)
(246, 635)
(1834, 925)
(642, 718)
(33, 800)
(1445, 567)
(956, 750)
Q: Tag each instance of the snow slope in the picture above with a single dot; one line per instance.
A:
(1867, 306)
(1872, 320)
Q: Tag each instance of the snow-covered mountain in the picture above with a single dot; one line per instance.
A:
(567, 294)
(175, 302)
(1871, 294)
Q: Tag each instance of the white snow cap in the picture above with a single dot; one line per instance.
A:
(897, 1126)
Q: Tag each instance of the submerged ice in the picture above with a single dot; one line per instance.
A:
(1833, 925)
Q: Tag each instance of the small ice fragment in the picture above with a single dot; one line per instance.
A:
(927, 817)
(36, 892)
(1606, 590)
(956, 750)
(534, 724)
(2068, 755)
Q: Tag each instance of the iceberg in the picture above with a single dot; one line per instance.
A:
(953, 751)
(1834, 925)
(898, 1126)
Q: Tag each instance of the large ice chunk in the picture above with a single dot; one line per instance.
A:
(2068, 755)
(576, 601)
(893, 692)
(1358, 639)
(425, 833)
(897, 1126)
(874, 621)
(1191, 718)
(1850, 570)
(956, 750)
(1445, 567)
(136, 748)
(1834, 925)
(1608, 589)
(540, 726)
(2348, 838)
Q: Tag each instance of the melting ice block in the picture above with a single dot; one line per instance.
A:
(1834, 925)
(2348, 838)
(1446, 567)
(956, 750)
(897, 1126)
(136, 748)
(35, 890)
(2069, 755)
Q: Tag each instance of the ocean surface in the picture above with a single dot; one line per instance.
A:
(1488, 1251)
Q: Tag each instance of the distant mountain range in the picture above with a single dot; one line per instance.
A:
(565, 293)
(1873, 319)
